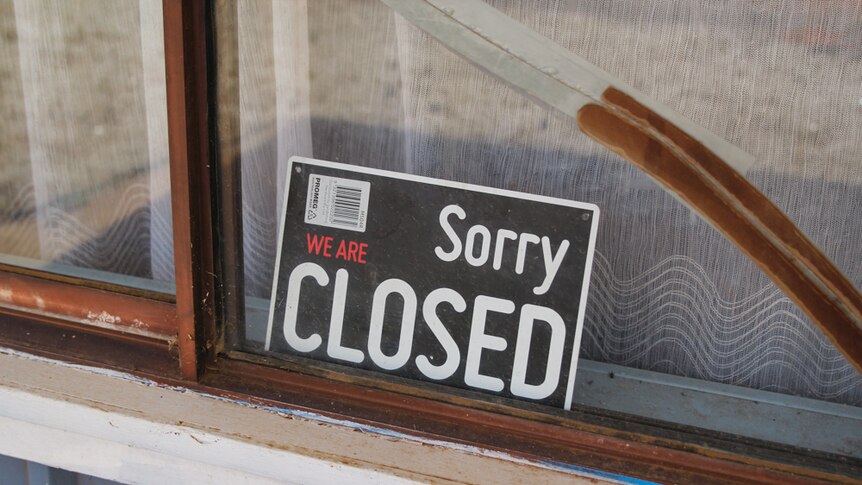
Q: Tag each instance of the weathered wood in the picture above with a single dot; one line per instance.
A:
(185, 23)
(130, 429)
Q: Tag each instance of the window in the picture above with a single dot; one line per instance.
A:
(678, 317)
(85, 210)
(86, 182)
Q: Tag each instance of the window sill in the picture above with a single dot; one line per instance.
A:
(580, 441)
(121, 427)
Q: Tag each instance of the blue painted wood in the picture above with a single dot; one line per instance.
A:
(38, 474)
(12, 471)
(21, 472)
(88, 480)
(780, 418)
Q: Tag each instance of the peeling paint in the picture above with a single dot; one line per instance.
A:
(203, 442)
(101, 320)
(323, 420)
(94, 370)
(104, 317)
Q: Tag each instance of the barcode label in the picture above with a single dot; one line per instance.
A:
(348, 202)
(337, 202)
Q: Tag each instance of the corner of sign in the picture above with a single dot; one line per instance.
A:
(295, 159)
(596, 211)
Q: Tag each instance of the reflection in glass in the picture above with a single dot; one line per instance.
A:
(84, 179)
(353, 82)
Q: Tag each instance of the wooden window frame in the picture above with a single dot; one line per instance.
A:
(54, 316)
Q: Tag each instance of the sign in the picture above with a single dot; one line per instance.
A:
(466, 286)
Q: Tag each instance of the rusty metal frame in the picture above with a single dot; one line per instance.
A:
(697, 167)
(185, 25)
(184, 322)
(95, 307)
(226, 158)
(81, 343)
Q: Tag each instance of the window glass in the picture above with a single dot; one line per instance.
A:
(780, 79)
(356, 83)
(84, 182)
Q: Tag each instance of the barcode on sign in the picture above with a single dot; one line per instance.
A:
(348, 204)
(337, 202)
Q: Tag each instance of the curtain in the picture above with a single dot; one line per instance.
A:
(85, 176)
(353, 82)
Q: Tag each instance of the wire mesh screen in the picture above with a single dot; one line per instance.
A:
(353, 82)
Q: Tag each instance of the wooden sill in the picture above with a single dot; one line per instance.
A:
(121, 427)
(591, 438)
(594, 439)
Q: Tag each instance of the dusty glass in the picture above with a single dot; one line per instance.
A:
(678, 319)
(84, 182)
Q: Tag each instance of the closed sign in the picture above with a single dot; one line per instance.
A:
(466, 286)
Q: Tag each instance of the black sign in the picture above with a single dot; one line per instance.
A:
(467, 286)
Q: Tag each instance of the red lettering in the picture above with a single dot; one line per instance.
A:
(347, 250)
(342, 251)
(327, 245)
(361, 257)
(315, 243)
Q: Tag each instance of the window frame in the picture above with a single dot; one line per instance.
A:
(192, 333)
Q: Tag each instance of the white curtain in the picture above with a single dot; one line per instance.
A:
(85, 162)
(353, 82)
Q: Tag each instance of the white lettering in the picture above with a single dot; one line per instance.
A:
(502, 235)
(526, 238)
(453, 354)
(475, 231)
(479, 341)
(298, 343)
(408, 322)
(336, 322)
(529, 314)
(552, 263)
(444, 223)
